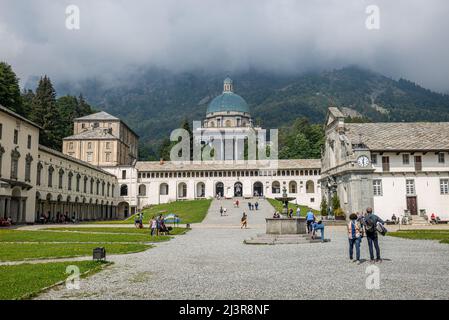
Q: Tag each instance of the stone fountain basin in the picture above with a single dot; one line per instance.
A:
(286, 226)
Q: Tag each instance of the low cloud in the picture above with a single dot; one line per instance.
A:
(270, 35)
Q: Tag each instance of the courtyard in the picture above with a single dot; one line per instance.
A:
(211, 262)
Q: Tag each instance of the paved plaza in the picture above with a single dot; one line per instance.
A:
(211, 262)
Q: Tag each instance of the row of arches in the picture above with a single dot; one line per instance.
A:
(200, 189)
(75, 208)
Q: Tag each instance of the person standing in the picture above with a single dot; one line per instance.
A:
(249, 206)
(370, 223)
(153, 225)
(355, 235)
(298, 212)
(244, 221)
(257, 205)
(310, 218)
(221, 211)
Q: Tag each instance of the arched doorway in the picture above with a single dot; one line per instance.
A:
(276, 187)
(238, 189)
(292, 187)
(258, 189)
(310, 187)
(182, 190)
(15, 209)
(219, 189)
(123, 209)
(200, 190)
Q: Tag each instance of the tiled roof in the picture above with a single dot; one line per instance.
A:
(226, 165)
(98, 133)
(102, 115)
(400, 135)
(12, 113)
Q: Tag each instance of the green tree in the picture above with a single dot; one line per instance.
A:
(323, 207)
(45, 113)
(10, 90)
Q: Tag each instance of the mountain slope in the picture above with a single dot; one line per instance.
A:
(154, 102)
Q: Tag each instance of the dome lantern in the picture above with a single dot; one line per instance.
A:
(228, 85)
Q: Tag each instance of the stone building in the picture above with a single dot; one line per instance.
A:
(102, 140)
(35, 179)
(396, 168)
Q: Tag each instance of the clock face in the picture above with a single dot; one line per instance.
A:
(363, 161)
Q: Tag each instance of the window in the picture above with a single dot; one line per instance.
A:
(89, 157)
(71, 145)
(61, 176)
(15, 155)
(89, 145)
(377, 187)
(29, 142)
(386, 164)
(410, 187)
(28, 161)
(16, 136)
(123, 174)
(83, 125)
(108, 157)
(441, 157)
(108, 145)
(85, 185)
(275, 187)
(444, 186)
(39, 173)
(418, 163)
(405, 159)
(124, 190)
(69, 181)
(78, 177)
(50, 176)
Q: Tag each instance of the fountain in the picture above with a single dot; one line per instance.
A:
(283, 230)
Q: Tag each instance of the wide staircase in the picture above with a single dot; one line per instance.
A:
(419, 221)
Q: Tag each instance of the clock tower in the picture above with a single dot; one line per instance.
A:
(346, 167)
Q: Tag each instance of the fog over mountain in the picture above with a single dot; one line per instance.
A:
(118, 37)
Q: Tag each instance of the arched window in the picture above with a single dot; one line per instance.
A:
(69, 181)
(78, 177)
(276, 187)
(39, 173)
(292, 187)
(124, 190)
(163, 189)
(310, 187)
(28, 160)
(50, 176)
(142, 190)
(61, 176)
(15, 155)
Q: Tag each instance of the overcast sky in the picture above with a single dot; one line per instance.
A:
(226, 35)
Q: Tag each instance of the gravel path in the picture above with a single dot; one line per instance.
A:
(211, 262)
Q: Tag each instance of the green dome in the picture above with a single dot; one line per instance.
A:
(228, 101)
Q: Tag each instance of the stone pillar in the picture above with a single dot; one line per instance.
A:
(2, 208)
(8, 207)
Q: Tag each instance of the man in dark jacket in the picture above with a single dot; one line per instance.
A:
(370, 223)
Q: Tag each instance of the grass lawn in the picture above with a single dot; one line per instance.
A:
(66, 236)
(26, 280)
(26, 251)
(174, 232)
(278, 207)
(189, 211)
(441, 235)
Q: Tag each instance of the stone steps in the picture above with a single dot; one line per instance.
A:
(271, 239)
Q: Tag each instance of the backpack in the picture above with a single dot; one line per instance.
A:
(381, 229)
(369, 224)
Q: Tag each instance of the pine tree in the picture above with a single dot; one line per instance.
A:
(46, 114)
(9, 89)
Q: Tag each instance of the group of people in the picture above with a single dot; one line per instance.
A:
(5, 222)
(158, 227)
(254, 206)
(223, 211)
(59, 218)
(368, 225)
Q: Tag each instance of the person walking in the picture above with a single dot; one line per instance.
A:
(355, 235)
(244, 221)
(370, 222)
(310, 218)
(221, 211)
(249, 206)
(257, 205)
